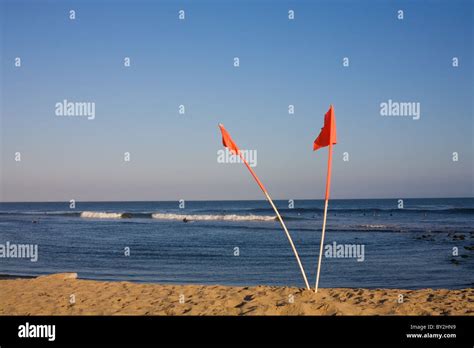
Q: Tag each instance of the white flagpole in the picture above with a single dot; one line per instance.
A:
(322, 244)
(328, 185)
(289, 239)
(228, 142)
(279, 218)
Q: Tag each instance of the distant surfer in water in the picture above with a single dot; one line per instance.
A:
(185, 220)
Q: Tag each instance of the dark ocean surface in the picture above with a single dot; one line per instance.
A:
(408, 248)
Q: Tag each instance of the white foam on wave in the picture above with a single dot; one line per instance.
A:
(230, 217)
(101, 215)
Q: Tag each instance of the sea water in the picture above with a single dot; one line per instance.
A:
(428, 243)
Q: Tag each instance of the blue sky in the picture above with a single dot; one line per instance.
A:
(190, 62)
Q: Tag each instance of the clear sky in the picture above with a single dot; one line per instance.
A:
(190, 62)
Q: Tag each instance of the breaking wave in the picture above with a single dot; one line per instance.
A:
(230, 217)
(103, 215)
(151, 215)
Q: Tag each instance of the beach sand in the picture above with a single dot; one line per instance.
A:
(51, 295)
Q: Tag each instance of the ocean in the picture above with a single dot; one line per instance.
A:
(369, 243)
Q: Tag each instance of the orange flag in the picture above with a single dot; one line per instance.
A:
(229, 143)
(227, 140)
(327, 137)
(328, 132)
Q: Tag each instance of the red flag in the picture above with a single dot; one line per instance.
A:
(327, 137)
(227, 140)
(328, 132)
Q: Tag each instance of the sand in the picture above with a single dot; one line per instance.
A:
(53, 295)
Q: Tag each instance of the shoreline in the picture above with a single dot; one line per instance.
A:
(64, 294)
(8, 276)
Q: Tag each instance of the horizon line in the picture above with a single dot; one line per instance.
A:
(234, 200)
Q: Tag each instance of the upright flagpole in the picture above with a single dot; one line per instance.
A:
(279, 218)
(328, 185)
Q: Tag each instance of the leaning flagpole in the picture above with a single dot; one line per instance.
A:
(279, 219)
(328, 185)
(227, 141)
(327, 137)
